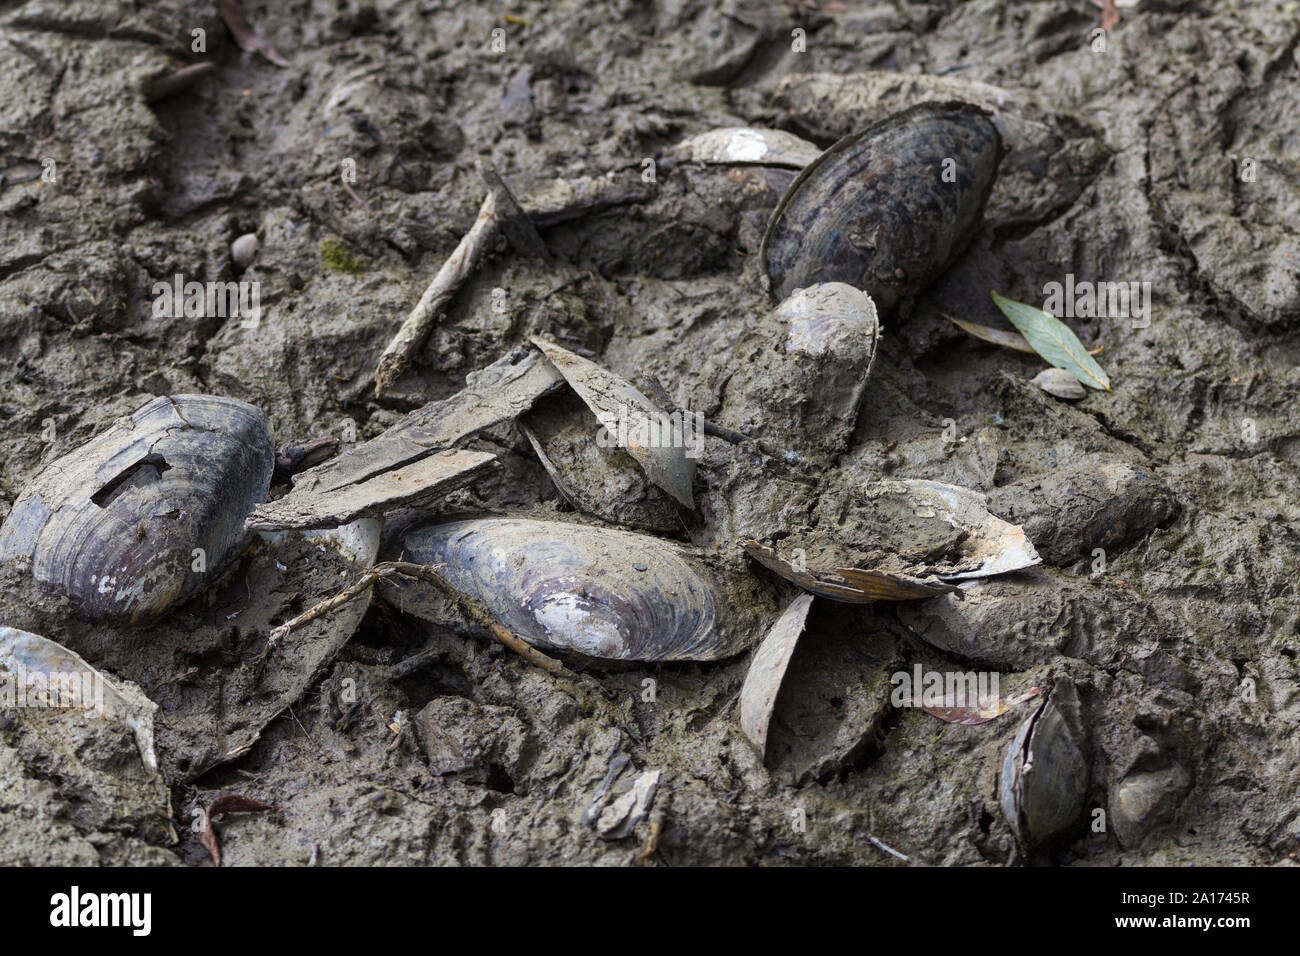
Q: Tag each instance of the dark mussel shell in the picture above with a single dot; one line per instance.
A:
(877, 209)
(145, 514)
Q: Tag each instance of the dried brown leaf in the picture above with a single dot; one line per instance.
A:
(952, 712)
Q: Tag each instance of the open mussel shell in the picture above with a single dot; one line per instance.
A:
(593, 592)
(1045, 774)
(888, 209)
(145, 514)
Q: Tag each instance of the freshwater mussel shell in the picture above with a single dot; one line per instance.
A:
(800, 372)
(1044, 774)
(596, 593)
(114, 524)
(874, 210)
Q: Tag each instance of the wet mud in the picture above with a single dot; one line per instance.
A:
(1165, 510)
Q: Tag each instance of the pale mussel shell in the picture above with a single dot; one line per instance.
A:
(116, 524)
(801, 371)
(875, 210)
(596, 593)
(1045, 774)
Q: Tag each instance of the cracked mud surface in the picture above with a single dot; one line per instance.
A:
(1185, 474)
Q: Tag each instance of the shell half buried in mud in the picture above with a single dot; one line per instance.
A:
(1045, 775)
(144, 515)
(888, 209)
(595, 592)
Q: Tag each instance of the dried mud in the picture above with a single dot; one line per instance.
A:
(421, 743)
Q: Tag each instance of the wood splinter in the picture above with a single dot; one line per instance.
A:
(471, 606)
(499, 216)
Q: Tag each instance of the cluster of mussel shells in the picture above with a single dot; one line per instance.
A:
(139, 519)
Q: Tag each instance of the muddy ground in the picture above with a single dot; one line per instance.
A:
(1168, 154)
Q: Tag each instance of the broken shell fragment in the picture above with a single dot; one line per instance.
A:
(145, 514)
(1045, 775)
(1059, 382)
(603, 594)
(991, 546)
(621, 815)
(810, 710)
(888, 209)
(595, 477)
(767, 670)
(743, 145)
(850, 585)
(62, 678)
(657, 440)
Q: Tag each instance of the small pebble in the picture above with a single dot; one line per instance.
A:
(244, 249)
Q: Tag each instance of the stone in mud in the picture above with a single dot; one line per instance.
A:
(480, 744)
(1038, 616)
(1142, 802)
(1069, 512)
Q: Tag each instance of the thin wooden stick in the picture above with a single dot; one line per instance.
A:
(499, 216)
(182, 79)
(471, 606)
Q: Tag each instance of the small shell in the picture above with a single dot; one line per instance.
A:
(748, 145)
(1059, 382)
(1044, 775)
(888, 209)
(144, 515)
(603, 594)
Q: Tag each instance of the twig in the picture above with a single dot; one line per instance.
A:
(881, 845)
(173, 83)
(499, 216)
(471, 606)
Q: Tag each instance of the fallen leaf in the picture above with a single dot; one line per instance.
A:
(1008, 340)
(1109, 14)
(1053, 340)
(952, 712)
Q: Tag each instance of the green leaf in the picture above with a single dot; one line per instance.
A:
(1053, 340)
